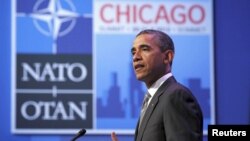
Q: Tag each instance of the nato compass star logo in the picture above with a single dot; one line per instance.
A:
(54, 18)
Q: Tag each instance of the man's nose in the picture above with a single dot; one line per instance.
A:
(136, 56)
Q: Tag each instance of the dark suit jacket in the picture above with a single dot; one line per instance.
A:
(172, 115)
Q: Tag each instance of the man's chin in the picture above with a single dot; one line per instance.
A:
(140, 77)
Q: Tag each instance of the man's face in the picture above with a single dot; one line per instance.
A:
(148, 60)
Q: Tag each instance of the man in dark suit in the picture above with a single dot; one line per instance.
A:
(171, 112)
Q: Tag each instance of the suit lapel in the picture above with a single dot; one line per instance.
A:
(151, 107)
(137, 128)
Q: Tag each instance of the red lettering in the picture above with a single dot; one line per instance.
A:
(120, 13)
(191, 14)
(149, 14)
(141, 14)
(102, 13)
(161, 14)
(178, 17)
(134, 14)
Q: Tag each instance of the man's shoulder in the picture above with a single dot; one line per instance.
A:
(174, 88)
(173, 85)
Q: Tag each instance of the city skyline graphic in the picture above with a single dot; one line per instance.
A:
(115, 106)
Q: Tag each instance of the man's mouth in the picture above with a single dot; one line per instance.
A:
(138, 67)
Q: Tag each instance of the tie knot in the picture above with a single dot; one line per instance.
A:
(146, 98)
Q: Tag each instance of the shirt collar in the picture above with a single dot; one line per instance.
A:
(152, 90)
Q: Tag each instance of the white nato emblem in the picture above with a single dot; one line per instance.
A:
(49, 20)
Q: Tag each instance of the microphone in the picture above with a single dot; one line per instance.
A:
(79, 134)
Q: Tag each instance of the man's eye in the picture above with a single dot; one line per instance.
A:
(145, 49)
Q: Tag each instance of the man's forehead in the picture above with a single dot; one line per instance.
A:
(144, 39)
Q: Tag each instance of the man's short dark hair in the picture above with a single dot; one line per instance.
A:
(163, 40)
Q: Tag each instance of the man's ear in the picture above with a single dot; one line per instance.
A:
(169, 56)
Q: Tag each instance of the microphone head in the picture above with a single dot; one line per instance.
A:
(81, 132)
